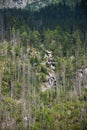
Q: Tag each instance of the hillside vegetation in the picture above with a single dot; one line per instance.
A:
(43, 68)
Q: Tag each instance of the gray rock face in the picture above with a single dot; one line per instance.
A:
(14, 3)
(21, 3)
(33, 3)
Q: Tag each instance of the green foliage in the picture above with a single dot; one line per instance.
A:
(24, 38)
(23, 70)
(44, 69)
(43, 77)
(34, 61)
(17, 51)
(17, 93)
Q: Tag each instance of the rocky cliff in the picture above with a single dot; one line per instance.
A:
(21, 3)
(33, 3)
(13, 3)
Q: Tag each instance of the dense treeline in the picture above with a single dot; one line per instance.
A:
(69, 18)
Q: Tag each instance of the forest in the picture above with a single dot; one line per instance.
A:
(43, 67)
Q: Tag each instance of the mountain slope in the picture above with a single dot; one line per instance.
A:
(43, 66)
(35, 4)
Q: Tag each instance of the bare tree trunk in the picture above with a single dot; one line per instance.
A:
(0, 97)
(63, 75)
(28, 98)
(79, 85)
(23, 98)
(57, 86)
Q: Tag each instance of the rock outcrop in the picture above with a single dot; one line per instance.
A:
(81, 75)
(22, 3)
(13, 3)
(51, 77)
(34, 3)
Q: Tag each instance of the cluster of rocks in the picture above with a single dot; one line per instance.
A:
(51, 77)
(13, 3)
(81, 76)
